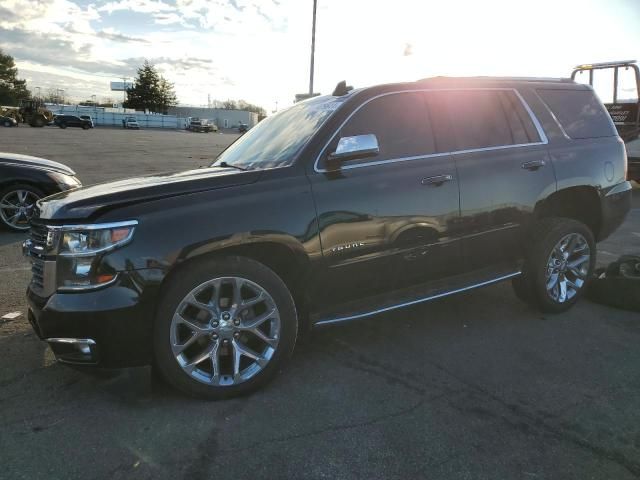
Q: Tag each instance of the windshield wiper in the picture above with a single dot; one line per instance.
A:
(227, 165)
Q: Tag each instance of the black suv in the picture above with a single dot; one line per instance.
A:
(64, 121)
(336, 209)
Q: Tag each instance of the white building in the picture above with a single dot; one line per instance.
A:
(221, 117)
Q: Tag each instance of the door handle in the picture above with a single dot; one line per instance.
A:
(534, 164)
(437, 180)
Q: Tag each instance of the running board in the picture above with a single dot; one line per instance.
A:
(427, 295)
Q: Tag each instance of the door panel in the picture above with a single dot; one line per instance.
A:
(497, 199)
(385, 221)
(504, 170)
(396, 231)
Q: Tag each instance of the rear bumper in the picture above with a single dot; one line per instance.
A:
(616, 203)
(110, 327)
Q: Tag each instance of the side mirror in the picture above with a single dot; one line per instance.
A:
(359, 146)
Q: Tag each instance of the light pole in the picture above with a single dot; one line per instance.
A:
(38, 89)
(313, 47)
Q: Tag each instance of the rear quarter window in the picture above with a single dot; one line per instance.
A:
(579, 112)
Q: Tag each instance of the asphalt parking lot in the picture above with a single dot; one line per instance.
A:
(475, 386)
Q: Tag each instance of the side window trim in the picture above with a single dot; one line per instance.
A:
(553, 116)
(532, 116)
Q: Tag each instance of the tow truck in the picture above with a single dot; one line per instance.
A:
(618, 85)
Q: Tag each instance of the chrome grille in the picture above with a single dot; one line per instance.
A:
(38, 237)
(42, 271)
(37, 274)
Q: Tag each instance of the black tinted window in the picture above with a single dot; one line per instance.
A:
(439, 120)
(579, 112)
(399, 121)
(522, 128)
(478, 119)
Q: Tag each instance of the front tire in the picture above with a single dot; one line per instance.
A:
(224, 328)
(559, 262)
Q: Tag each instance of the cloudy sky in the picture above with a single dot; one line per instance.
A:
(258, 50)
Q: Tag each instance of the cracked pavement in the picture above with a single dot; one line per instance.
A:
(474, 386)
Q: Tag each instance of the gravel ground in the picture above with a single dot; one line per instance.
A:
(476, 386)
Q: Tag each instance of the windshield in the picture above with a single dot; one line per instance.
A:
(275, 141)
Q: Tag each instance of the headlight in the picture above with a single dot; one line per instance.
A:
(82, 243)
(80, 249)
(66, 182)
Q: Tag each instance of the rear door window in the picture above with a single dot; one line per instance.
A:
(478, 119)
(399, 121)
(579, 112)
(522, 128)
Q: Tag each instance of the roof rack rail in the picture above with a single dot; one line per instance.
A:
(516, 79)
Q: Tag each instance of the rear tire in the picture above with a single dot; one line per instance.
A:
(184, 351)
(559, 262)
(63, 125)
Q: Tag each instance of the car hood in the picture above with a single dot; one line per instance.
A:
(84, 202)
(34, 162)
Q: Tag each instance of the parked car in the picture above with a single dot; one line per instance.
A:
(64, 121)
(243, 127)
(201, 125)
(23, 181)
(88, 118)
(378, 199)
(8, 121)
(130, 122)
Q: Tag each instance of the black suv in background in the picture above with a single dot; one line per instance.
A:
(64, 121)
(336, 209)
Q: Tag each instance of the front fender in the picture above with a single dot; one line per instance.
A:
(174, 230)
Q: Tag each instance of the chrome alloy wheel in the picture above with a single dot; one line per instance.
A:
(567, 267)
(225, 331)
(16, 208)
